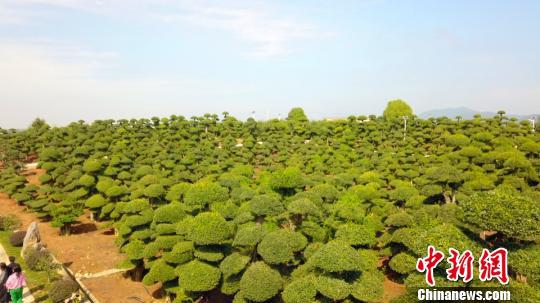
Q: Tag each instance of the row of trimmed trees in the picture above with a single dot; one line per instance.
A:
(295, 209)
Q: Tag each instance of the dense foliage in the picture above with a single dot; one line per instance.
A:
(294, 209)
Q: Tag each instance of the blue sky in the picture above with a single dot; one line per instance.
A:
(67, 60)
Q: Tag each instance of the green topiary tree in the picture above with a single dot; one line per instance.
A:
(266, 205)
(336, 256)
(403, 263)
(200, 195)
(287, 181)
(197, 276)
(510, 213)
(233, 264)
(210, 228)
(160, 272)
(280, 246)
(396, 109)
(260, 282)
(356, 235)
(369, 287)
(300, 290)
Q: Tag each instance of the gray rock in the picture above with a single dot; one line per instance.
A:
(32, 238)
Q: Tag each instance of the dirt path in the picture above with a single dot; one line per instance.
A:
(90, 249)
(392, 290)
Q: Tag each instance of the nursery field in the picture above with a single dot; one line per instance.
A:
(293, 210)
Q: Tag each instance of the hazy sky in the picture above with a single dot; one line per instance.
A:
(65, 60)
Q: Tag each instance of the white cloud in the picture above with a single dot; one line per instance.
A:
(268, 31)
(43, 82)
(271, 36)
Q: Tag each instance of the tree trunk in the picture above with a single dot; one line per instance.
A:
(66, 229)
(138, 273)
(521, 278)
(447, 199)
(483, 235)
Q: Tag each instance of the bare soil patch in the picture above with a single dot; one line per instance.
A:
(392, 290)
(90, 249)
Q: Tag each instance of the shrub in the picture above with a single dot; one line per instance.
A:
(249, 236)
(134, 249)
(399, 219)
(370, 259)
(326, 191)
(176, 191)
(356, 234)
(21, 197)
(287, 179)
(333, 288)
(266, 205)
(514, 215)
(403, 263)
(16, 239)
(210, 228)
(159, 272)
(62, 290)
(369, 287)
(170, 213)
(201, 194)
(115, 191)
(233, 264)
(10, 223)
(260, 282)
(210, 253)
(87, 180)
(36, 259)
(231, 285)
(154, 190)
(304, 207)
(198, 276)
(96, 201)
(300, 291)
(527, 262)
(280, 246)
(181, 253)
(92, 165)
(337, 256)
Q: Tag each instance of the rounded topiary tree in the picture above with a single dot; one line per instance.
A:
(356, 234)
(336, 256)
(160, 271)
(210, 228)
(266, 205)
(403, 263)
(300, 290)
(280, 246)
(198, 276)
(200, 195)
(332, 287)
(396, 109)
(260, 282)
(286, 181)
(95, 203)
(369, 287)
(170, 213)
(510, 213)
(249, 236)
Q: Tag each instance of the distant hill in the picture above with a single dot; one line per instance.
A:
(467, 113)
